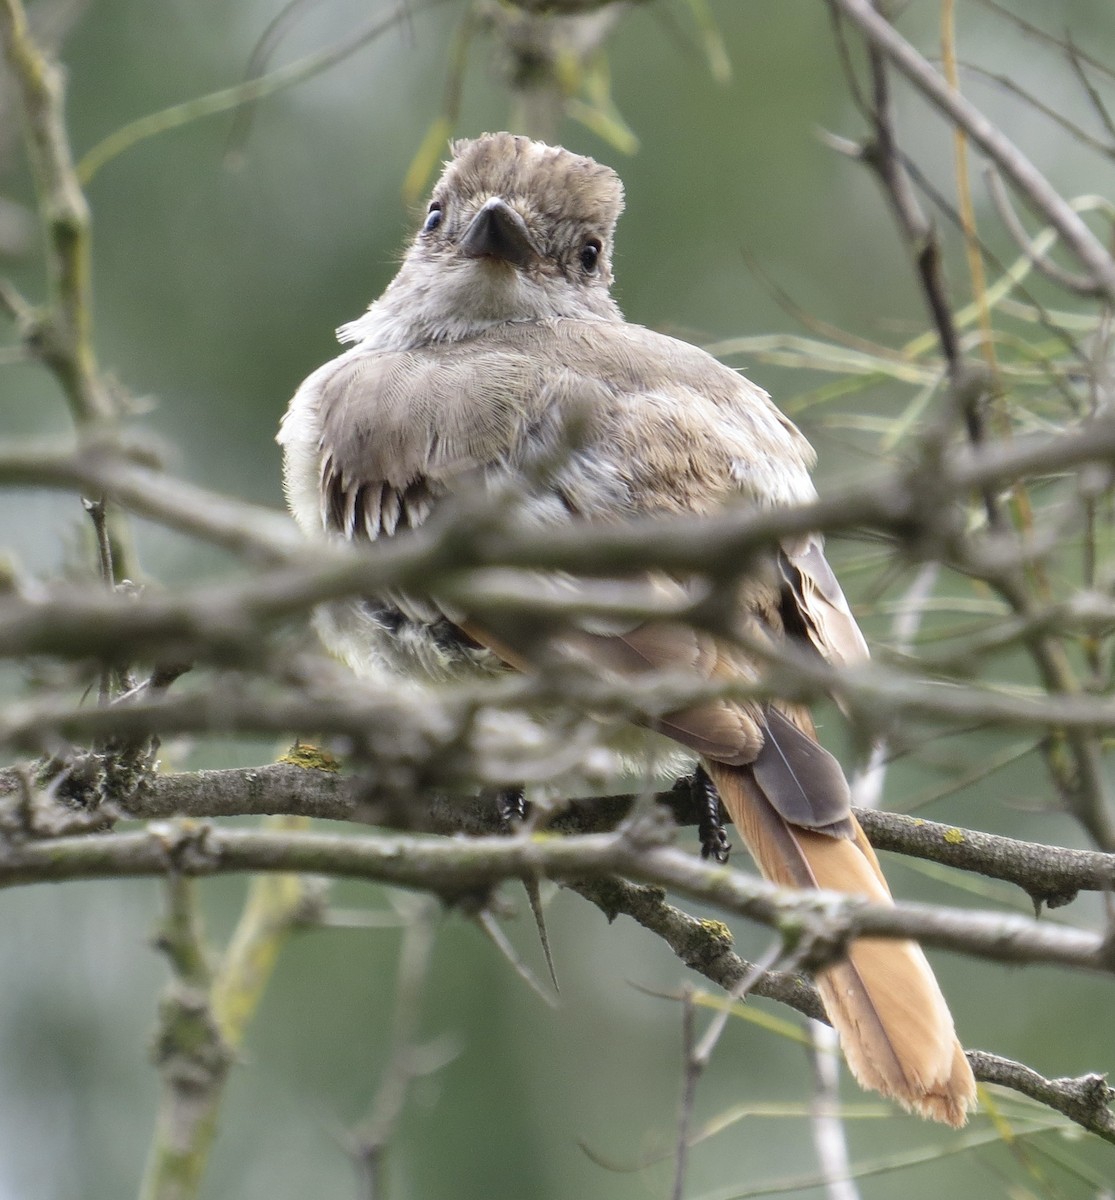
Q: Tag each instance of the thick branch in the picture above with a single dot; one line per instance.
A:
(1047, 873)
(825, 920)
(370, 717)
(704, 946)
(213, 621)
(1052, 874)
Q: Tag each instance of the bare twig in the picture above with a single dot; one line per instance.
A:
(405, 1059)
(829, 1136)
(205, 1015)
(692, 1073)
(876, 696)
(276, 905)
(1080, 285)
(1085, 1099)
(1037, 191)
(63, 338)
(96, 512)
(493, 931)
(1078, 774)
(456, 865)
(1079, 60)
(698, 1054)
(1081, 135)
(1048, 874)
(228, 616)
(60, 334)
(103, 467)
(1048, 39)
(240, 95)
(967, 387)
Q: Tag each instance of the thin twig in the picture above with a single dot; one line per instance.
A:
(1037, 191)
(967, 389)
(404, 1059)
(493, 931)
(829, 1135)
(1009, 85)
(691, 1075)
(1071, 281)
(63, 338)
(61, 334)
(1041, 35)
(96, 511)
(249, 92)
(1078, 775)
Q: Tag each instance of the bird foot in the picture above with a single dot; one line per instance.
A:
(511, 808)
(710, 825)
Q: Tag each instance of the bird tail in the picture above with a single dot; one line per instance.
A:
(895, 1028)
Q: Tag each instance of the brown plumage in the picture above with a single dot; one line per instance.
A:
(497, 357)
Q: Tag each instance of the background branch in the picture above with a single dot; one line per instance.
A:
(1034, 188)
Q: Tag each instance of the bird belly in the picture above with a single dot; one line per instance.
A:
(378, 639)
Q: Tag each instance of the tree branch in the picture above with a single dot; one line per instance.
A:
(892, 501)
(823, 920)
(588, 865)
(1085, 1099)
(192, 1056)
(61, 337)
(1037, 191)
(1049, 874)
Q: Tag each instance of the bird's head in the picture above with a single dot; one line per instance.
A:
(514, 230)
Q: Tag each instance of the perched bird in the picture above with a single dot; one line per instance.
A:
(497, 356)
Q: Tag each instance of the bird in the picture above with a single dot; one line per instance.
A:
(498, 358)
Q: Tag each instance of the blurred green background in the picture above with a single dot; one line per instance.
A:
(217, 290)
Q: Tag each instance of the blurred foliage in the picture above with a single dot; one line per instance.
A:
(220, 270)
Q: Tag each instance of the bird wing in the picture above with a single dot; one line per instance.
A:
(600, 420)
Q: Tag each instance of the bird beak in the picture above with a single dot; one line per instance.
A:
(497, 231)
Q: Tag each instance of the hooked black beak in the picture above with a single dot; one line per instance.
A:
(497, 231)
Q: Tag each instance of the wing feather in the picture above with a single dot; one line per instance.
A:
(601, 420)
(824, 611)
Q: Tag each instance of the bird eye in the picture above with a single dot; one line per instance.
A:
(433, 218)
(590, 255)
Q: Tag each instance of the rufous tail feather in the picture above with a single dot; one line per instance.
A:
(895, 1028)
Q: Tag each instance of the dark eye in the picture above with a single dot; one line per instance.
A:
(433, 218)
(590, 255)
